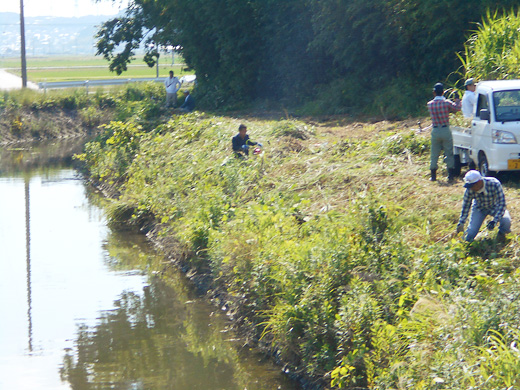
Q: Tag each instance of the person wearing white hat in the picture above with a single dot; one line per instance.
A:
(469, 100)
(483, 196)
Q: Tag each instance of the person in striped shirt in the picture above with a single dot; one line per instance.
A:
(483, 196)
(441, 138)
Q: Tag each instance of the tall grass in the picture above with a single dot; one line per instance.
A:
(493, 51)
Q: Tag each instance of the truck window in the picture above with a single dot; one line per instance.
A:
(482, 103)
(507, 105)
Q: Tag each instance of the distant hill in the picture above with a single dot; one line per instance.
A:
(49, 35)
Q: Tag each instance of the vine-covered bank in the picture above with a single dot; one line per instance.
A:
(331, 245)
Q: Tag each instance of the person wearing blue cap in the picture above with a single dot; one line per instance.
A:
(483, 196)
(441, 138)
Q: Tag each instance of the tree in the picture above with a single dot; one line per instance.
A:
(361, 37)
(290, 67)
(218, 39)
(242, 50)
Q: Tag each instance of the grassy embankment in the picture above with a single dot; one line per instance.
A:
(332, 245)
(28, 115)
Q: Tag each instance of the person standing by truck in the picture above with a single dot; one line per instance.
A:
(483, 196)
(441, 138)
(469, 100)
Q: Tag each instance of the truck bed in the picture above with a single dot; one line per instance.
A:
(461, 137)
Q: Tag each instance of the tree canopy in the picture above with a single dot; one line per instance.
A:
(295, 50)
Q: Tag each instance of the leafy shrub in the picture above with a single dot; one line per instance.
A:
(376, 225)
(331, 99)
(141, 91)
(69, 102)
(133, 93)
(17, 125)
(110, 156)
(90, 117)
(104, 100)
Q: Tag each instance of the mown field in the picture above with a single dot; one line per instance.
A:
(51, 69)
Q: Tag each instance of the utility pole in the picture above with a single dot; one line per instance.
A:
(157, 67)
(22, 34)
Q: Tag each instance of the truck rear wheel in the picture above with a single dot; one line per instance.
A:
(457, 165)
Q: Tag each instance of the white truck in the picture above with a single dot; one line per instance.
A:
(492, 142)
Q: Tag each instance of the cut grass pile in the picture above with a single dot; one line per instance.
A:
(332, 244)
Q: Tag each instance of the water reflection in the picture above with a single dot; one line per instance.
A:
(28, 258)
(39, 156)
(163, 338)
(85, 307)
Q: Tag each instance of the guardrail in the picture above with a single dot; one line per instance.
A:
(95, 83)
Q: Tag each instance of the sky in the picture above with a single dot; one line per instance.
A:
(66, 8)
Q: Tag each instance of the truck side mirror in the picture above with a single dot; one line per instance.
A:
(484, 114)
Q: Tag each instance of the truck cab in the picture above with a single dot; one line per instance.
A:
(492, 141)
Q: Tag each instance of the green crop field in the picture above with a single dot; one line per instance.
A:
(72, 68)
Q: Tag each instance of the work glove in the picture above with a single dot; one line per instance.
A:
(245, 147)
(460, 228)
(491, 225)
(259, 144)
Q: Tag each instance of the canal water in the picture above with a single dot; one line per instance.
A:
(86, 307)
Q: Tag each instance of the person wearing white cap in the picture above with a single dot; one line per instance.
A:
(483, 196)
(469, 100)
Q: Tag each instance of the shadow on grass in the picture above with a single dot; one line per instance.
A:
(488, 247)
(509, 179)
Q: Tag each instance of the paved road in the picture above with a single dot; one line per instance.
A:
(9, 81)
